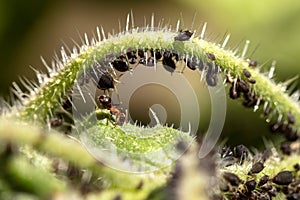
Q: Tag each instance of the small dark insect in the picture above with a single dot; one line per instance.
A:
(285, 190)
(291, 135)
(266, 154)
(105, 101)
(247, 73)
(168, 61)
(183, 35)
(211, 79)
(141, 53)
(253, 63)
(274, 128)
(291, 118)
(250, 184)
(201, 65)
(263, 180)
(250, 101)
(211, 56)
(240, 152)
(232, 178)
(233, 92)
(256, 168)
(131, 54)
(120, 64)
(243, 86)
(252, 81)
(286, 149)
(191, 63)
(296, 167)
(150, 62)
(211, 75)
(140, 185)
(106, 81)
(157, 54)
(56, 123)
(283, 178)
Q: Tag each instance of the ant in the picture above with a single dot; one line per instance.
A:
(105, 103)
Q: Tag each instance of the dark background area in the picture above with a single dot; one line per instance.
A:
(33, 28)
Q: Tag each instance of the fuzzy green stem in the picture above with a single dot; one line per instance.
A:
(47, 98)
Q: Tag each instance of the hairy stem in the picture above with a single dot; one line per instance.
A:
(48, 96)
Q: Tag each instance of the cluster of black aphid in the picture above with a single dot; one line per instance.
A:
(241, 87)
(266, 187)
(230, 157)
(106, 72)
(285, 128)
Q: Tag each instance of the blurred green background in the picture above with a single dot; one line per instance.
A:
(33, 28)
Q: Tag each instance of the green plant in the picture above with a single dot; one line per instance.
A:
(26, 141)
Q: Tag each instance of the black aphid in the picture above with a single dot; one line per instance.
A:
(211, 56)
(296, 167)
(157, 53)
(286, 149)
(263, 180)
(252, 81)
(140, 185)
(232, 178)
(191, 63)
(240, 151)
(150, 62)
(106, 81)
(201, 64)
(266, 154)
(141, 53)
(233, 92)
(290, 118)
(250, 100)
(211, 79)
(283, 178)
(256, 168)
(253, 63)
(183, 35)
(243, 86)
(168, 61)
(131, 54)
(250, 184)
(105, 101)
(276, 127)
(291, 135)
(246, 73)
(120, 64)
